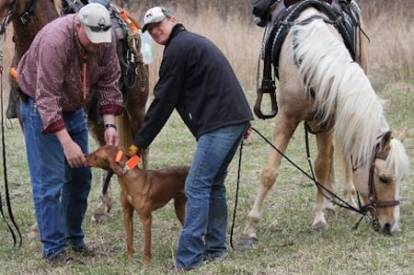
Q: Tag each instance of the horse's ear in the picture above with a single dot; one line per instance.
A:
(385, 141)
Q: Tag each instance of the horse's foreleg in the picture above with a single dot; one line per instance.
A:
(282, 133)
(325, 175)
(137, 99)
(98, 132)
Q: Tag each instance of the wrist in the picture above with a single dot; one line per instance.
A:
(63, 137)
(132, 150)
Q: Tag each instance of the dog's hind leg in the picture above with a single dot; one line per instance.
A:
(128, 224)
(179, 205)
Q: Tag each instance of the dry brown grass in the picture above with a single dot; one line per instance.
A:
(389, 26)
(239, 41)
(392, 36)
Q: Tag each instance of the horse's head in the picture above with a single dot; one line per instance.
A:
(389, 165)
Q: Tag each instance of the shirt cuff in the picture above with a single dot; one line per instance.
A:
(54, 127)
(111, 109)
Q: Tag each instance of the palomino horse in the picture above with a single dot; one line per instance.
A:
(320, 83)
(42, 12)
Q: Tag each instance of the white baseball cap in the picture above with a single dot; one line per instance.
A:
(96, 21)
(155, 15)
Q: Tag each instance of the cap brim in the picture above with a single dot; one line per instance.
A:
(145, 27)
(98, 37)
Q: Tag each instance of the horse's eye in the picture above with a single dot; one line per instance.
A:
(385, 179)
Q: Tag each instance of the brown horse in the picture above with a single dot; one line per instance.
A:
(41, 13)
(320, 83)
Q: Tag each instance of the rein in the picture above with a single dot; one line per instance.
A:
(24, 17)
(373, 202)
(13, 227)
(363, 210)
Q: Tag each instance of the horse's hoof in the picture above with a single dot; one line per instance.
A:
(99, 215)
(247, 243)
(320, 226)
(106, 203)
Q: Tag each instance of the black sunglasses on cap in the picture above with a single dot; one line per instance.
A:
(100, 28)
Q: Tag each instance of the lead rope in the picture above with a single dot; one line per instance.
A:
(336, 200)
(5, 177)
(360, 211)
(236, 200)
(308, 151)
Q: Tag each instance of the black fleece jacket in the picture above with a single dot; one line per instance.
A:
(196, 79)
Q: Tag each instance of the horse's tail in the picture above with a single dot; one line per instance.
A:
(339, 87)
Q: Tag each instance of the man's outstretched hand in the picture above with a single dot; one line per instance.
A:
(132, 150)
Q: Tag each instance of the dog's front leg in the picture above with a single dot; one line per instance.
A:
(128, 224)
(147, 223)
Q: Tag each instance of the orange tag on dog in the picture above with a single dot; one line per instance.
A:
(13, 73)
(133, 162)
(119, 156)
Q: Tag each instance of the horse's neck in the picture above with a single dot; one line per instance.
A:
(44, 12)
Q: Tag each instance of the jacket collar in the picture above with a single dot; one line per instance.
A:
(176, 30)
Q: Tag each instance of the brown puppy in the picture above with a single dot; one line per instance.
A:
(144, 191)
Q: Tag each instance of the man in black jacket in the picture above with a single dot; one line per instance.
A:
(196, 79)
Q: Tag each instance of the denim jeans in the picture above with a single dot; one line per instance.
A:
(60, 193)
(205, 225)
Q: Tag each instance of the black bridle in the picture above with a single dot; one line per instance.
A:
(24, 17)
(373, 202)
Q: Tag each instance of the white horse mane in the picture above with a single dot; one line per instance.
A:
(342, 91)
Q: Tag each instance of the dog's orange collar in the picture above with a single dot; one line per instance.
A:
(133, 162)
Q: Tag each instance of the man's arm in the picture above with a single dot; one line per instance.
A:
(48, 98)
(51, 69)
(109, 95)
(166, 96)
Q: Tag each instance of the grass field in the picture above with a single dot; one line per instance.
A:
(287, 244)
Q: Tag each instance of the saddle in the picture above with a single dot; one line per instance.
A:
(344, 15)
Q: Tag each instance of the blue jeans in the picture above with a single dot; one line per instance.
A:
(60, 193)
(205, 225)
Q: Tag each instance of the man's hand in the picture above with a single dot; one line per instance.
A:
(111, 136)
(74, 154)
(247, 133)
(71, 149)
(132, 150)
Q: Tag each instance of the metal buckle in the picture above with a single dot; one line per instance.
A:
(25, 17)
